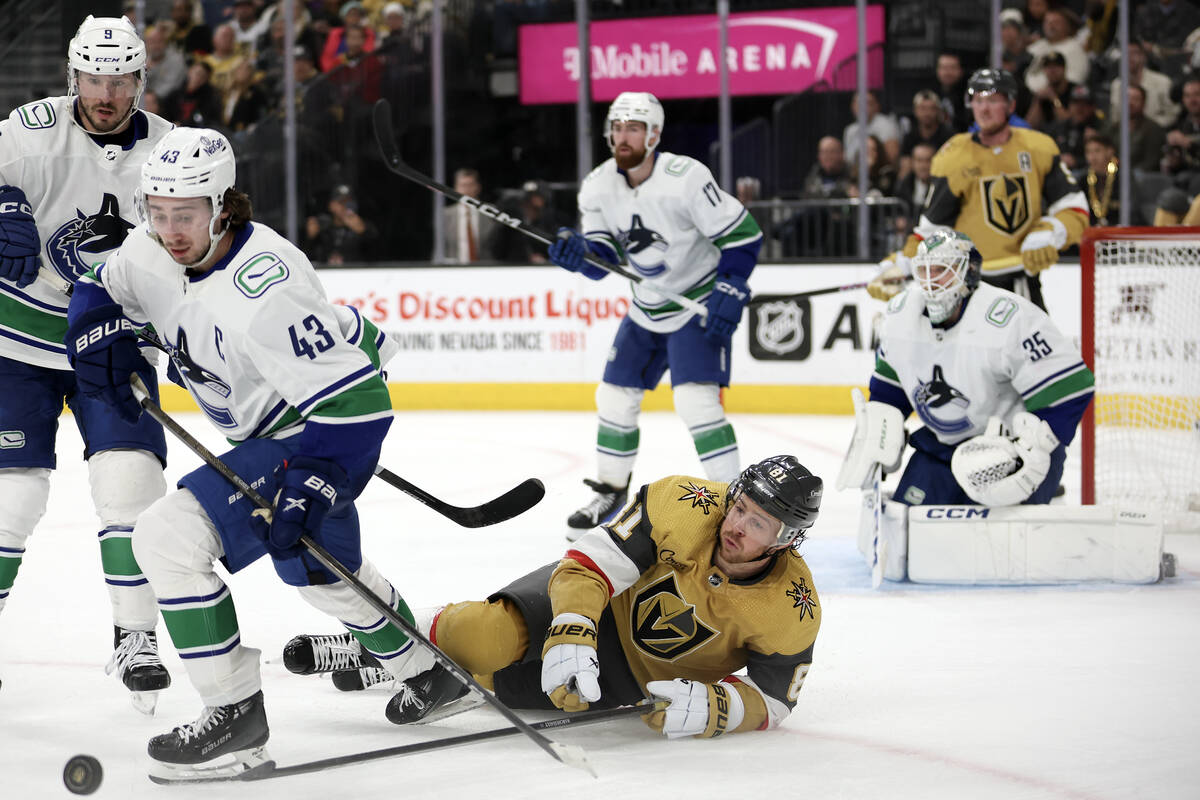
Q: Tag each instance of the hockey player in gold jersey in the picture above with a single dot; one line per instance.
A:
(1003, 186)
(692, 582)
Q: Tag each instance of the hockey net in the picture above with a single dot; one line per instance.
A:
(1140, 437)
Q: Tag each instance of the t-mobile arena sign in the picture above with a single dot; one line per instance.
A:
(769, 52)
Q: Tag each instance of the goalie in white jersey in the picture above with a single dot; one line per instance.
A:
(293, 380)
(68, 170)
(998, 388)
(665, 215)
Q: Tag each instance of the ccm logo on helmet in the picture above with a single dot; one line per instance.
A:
(955, 512)
(13, 206)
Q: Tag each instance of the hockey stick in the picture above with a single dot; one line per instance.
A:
(572, 755)
(878, 546)
(514, 502)
(382, 116)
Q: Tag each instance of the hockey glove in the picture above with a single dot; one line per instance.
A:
(893, 271)
(569, 250)
(102, 347)
(306, 493)
(1039, 249)
(20, 246)
(729, 296)
(1002, 469)
(697, 709)
(570, 667)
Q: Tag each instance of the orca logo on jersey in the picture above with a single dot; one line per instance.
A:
(199, 378)
(664, 624)
(1006, 202)
(87, 240)
(643, 245)
(940, 406)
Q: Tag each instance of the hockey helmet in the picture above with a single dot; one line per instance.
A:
(992, 81)
(955, 253)
(785, 490)
(190, 162)
(636, 107)
(107, 46)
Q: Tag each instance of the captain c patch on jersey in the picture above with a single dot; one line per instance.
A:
(664, 625)
(1005, 202)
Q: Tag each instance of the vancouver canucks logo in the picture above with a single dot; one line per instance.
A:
(197, 377)
(644, 247)
(665, 626)
(1006, 202)
(87, 239)
(940, 406)
(701, 496)
(803, 599)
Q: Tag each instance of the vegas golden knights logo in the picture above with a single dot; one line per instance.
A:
(664, 624)
(1006, 202)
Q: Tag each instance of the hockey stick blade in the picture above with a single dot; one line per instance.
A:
(514, 502)
(381, 116)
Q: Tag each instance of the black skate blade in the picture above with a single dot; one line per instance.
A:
(254, 765)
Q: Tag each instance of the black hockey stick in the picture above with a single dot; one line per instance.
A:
(382, 116)
(512, 503)
(572, 755)
(515, 501)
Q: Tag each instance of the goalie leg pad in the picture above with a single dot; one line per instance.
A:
(878, 439)
(1033, 544)
(893, 535)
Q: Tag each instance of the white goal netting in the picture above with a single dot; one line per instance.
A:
(1144, 446)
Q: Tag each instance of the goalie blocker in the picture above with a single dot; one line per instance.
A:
(1041, 544)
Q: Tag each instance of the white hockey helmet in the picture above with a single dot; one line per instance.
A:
(637, 107)
(190, 162)
(106, 46)
(956, 254)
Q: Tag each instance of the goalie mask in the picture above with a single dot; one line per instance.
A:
(785, 490)
(190, 162)
(636, 107)
(946, 268)
(107, 46)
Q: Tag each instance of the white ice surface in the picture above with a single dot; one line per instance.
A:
(915, 692)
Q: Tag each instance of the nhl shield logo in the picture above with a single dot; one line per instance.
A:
(780, 328)
(1006, 202)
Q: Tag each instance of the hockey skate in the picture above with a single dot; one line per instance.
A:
(225, 742)
(338, 652)
(603, 507)
(136, 662)
(355, 680)
(434, 694)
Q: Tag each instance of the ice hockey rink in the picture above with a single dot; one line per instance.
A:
(1081, 692)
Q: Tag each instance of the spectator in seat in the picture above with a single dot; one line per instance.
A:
(881, 175)
(536, 210)
(468, 235)
(247, 27)
(1059, 36)
(1100, 180)
(166, 69)
(928, 128)
(223, 58)
(199, 104)
(1070, 134)
(1050, 102)
(1162, 26)
(353, 16)
(1182, 155)
(952, 89)
(245, 103)
(913, 187)
(880, 125)
(340, 235)
(191, 37)
(1146, 137)
(1156, 87)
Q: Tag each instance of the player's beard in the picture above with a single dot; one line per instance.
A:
(631, 158)
(113, 125)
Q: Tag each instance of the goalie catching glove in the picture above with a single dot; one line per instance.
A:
(697, 709)
(878, 439)
(570, 666)
(997, 468)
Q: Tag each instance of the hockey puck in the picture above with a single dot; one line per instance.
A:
(82, 774)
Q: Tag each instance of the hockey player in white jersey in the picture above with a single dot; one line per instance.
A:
(665, 215)
(293, 380)
(988, 374)
(68, 170)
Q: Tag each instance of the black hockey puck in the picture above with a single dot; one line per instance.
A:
(82, 774)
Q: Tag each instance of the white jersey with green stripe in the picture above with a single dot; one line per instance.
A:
(81, 194)
(254, 338)
(670, 230)
(1003, 356)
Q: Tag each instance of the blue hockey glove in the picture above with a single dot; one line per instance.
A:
(20, 246)
(308, 490)
(102, 347)
(569, 250)
(729, 296)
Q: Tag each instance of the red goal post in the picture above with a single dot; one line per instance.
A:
(1140, 335)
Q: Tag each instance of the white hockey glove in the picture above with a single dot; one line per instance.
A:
(878, 439)
(893, 272)
(570, 667)
(697, 709)
(1001, 469)
(1039, 248)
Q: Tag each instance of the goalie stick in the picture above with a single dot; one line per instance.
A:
(382, 116)
(514, 502)
(270, 770)
(571, 755)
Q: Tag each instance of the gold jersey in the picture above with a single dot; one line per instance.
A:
(681, 616)
(996, 195)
